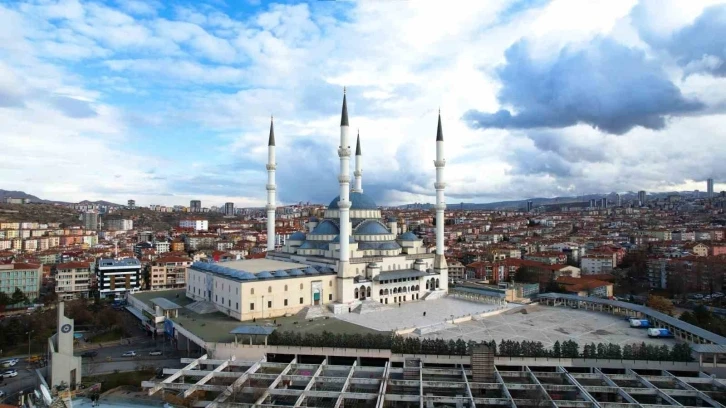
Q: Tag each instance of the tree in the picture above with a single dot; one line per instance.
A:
(557, 350)
(660, 304)
(4, 299)
(525, 274)
(18, 297)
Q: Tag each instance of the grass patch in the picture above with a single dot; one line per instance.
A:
(111, 335)
(111, 381)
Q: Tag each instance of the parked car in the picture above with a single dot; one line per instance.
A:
(2, 393)
(90, 353)
(10, 373)
(155, 353)
(129, 354)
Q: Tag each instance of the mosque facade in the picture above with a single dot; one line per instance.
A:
(344, 261)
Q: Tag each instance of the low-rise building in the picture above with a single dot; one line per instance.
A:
(73, 280)
(596, 264)
(24, 276)
(169, 272)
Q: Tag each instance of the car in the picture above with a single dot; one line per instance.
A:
(155, 353)
(129, 354)
(90, 354)
(10, 373)
(10, 363)
(2, 393)
(698, 296)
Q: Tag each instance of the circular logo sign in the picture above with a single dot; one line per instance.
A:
(66, 328)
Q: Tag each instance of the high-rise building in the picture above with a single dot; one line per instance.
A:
(709, 188)
(195, 206)
(529, 206)
(618, 200)
(228, 208)
(641, 197)
(90, 220)
(592, 203)
(604, 202)
(119, 225)
(118, 276)
(131, 204)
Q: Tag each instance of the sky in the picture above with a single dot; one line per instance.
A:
(164, 102)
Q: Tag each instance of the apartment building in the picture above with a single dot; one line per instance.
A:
(197, 224)
(596, 264)
(169, 272)
(116, 277)
(162, 247)
(120, 225)
(24, 276)
(73, 280)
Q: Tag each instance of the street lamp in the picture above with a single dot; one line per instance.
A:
(29, 333)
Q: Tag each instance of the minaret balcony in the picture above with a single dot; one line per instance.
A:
(440, 186)
(271, 187)
(440, 163)
(344, 178)
(344, 151)
(344, 205)
(440, 206)
(270, 207)
(358, 173)
(272, 166)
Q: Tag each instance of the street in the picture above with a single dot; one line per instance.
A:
(26, 378)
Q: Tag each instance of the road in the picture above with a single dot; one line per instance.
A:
(26, 378)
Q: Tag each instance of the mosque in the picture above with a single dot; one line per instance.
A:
(347, 262)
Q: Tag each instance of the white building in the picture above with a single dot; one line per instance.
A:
(118, 276)
(120, 225)
(349, 258)
(596, 264)
(72, 280)
(195, 223)
(161, 246)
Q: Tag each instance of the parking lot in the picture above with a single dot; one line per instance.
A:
(548, 325)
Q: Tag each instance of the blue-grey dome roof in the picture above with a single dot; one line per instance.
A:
(297, 236)
(326, 269)
(326, 227)
(308, 245)
(264, 275)
(313, 219)
(311, 271)
(389, 245)
(281, 274)
(371, 227)
(358, 202)
(295, 272)
(246, 276)
(337, 239)
(392, 219)
(409, 236)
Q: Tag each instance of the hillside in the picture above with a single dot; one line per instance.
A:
(39, 212)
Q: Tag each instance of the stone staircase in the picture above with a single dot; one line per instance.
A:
(202, 307)
(315, 312)
(370, 306)
(437, 294)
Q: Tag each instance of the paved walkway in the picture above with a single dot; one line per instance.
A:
(411, 314)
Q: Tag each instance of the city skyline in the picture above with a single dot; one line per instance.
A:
(164, 102)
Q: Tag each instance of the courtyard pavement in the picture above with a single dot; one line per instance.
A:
(549, 324)
(410, 315)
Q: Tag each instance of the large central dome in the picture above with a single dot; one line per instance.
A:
(359, 201)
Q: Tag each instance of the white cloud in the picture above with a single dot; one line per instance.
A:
(206, 66)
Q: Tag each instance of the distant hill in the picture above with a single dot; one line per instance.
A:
(539, 201)
(19, 194)
(22, 194)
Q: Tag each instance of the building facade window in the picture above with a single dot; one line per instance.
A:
(301, 301)
(269, 304)
(252, 306)
(285, 302)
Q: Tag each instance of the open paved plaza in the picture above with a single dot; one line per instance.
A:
(548, 325)
(410, 315)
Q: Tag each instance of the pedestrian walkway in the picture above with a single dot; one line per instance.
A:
(82, 346)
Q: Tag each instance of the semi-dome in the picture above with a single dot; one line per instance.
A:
(371, 227)
(408, 236)
(358, 201)
(337, 239)
(326, 227)
(297, 236)
(264, 275)
(389, 245)
(281, 274)
(295, 272)
(244, 275)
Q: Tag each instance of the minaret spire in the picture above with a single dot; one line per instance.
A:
(271, 188)
(440, 266)
(345, 274)
(358, 173)
(271, 140)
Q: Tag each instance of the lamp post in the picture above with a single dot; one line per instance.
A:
(29, 333)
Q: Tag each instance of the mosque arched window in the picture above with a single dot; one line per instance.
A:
(356, 293)
(285, 288)
(252, 291)
(269, 289)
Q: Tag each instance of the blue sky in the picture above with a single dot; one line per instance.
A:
(164, 102)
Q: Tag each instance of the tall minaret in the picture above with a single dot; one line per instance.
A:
(271, 189)
(345, 279)
(440, 266)
(358, 173)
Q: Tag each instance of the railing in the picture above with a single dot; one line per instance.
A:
(366, 259)
(413, 257)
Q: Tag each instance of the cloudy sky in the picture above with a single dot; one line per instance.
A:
(164, 102)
